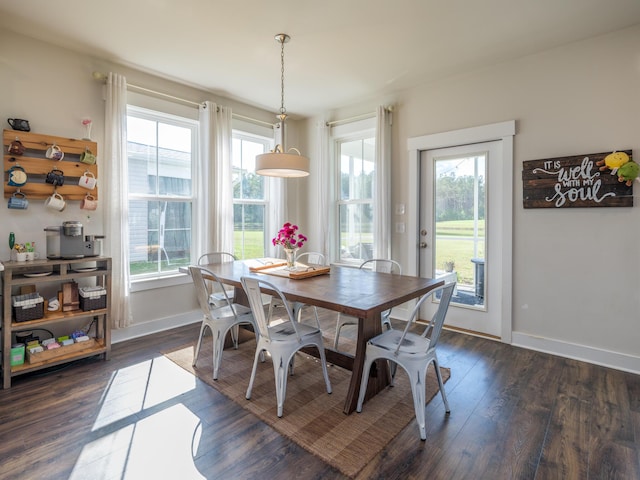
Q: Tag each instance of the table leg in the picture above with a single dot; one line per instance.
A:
(379, 375)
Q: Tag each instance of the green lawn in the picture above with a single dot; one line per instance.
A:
(459, 249)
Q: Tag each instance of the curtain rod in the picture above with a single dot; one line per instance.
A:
(357, 117)
(101, 76)
(351, 119)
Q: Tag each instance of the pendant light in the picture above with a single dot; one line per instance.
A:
(279, 162)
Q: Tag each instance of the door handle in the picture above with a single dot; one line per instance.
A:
(423, 244)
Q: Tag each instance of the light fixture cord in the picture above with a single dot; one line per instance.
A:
(283, 110)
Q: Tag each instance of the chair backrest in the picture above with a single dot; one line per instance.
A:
(252, 288)
(216, 257)
(200, 277)
(312, 257)
(382, 265)
(435, 325)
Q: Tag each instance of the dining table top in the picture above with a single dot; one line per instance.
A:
(352, 291)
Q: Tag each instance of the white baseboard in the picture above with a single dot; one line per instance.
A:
(597, 356)
(155, 326)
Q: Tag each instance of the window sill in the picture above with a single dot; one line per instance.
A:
(153, 283)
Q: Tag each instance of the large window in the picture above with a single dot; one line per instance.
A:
(250, 218)
(356, 177)
(161, 150)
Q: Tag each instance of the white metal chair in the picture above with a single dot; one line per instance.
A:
(377, 265)
(315, 258)
(281, 341)
(412, 352)
(219, 319)
(216, 297)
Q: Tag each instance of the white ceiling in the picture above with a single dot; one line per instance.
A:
(342, 52)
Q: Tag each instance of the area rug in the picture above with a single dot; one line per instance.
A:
(312, 418)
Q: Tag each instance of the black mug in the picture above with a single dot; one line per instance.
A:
(19, 124)
(55, 177)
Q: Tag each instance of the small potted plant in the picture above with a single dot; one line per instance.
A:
(449, 266)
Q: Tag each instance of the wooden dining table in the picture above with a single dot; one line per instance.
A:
(363, 294)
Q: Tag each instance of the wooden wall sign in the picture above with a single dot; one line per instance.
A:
(566, 182)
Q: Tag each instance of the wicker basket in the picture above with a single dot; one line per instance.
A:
(93, 299)
(27, 307)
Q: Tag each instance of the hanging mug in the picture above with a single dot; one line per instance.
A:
(55, 177)
(18, 201)
(55, 202)
(19, 124)
(88, 202)
(54, 153)
(87, 157)
(16, 147)
(17, 176)
(88, 181)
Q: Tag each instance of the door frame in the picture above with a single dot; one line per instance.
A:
(504, 131)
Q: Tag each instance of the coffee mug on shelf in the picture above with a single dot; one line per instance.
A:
(16, 147)
(18, 201)
(54, 153)
(87, 157)
(88, 202)
(55, 177)
(17, 176)
(21, 256)
(32, 256)
(19, 124)
(55, 202)
(88, 181)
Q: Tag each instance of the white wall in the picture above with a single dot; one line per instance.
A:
(576, 271)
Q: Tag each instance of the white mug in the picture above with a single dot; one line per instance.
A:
(54, 153)
(21, 256)
(88, 181)
(88, 202)
(55, 202)
(32, 256)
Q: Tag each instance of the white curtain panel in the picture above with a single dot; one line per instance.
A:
(277, 214)
(382, 194)
(216, 214)
(116, 197)
(321, 177)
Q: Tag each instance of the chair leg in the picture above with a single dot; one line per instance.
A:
(197, 352)
(234, 335)
(441, 384)
(337, 336)
(259, 351)
(280, 368)
(417, 378)
(323, 359)
(368, 361)
(218, 347)
(393, 367)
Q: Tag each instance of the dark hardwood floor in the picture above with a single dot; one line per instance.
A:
(515, 414)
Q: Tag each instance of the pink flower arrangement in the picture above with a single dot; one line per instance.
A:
(288, 237)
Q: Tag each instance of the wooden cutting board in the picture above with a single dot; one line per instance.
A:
(303, 272)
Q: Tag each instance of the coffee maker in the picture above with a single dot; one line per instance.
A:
(68, 241)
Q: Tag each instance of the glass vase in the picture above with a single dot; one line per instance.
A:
(290, 255)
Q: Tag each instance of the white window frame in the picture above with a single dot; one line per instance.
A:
(245, 133)
(346, 132)
(167, 112)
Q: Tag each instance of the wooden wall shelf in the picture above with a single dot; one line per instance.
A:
(37, 165)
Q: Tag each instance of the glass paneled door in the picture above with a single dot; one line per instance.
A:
(460, 231)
